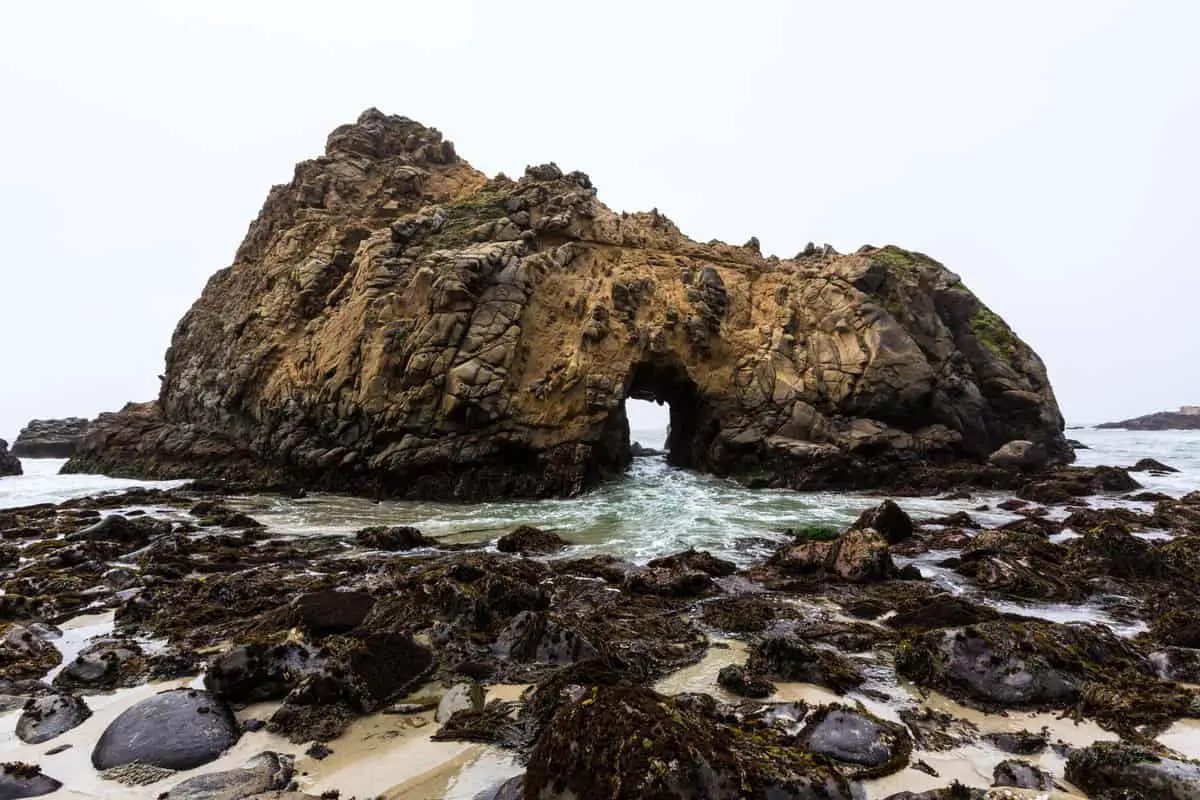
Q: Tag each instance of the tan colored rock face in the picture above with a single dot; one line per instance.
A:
(395, 322)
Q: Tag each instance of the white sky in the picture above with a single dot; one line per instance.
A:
(1047, 152)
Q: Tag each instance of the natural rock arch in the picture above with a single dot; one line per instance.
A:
(396, 323)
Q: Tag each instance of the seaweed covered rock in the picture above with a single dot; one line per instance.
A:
(178, 729)
(539, 638)
(1119, 771)
(857, 556)
(401, 537)
(24, 654)
(863, 745)
(787, 657)
(743, 682)
(1022, 565)
(9, 463)
(696, 560)
(665, 751)
(528, 540)
(331, 611)
(396, 324)
(1036, 664)
(44, 718)
(105, 664)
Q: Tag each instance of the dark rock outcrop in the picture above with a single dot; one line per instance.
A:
(528, 540)
(396, 324)
(25, 780)
(179, 729)
(50, 438)
(9, 463)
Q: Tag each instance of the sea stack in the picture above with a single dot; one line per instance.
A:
(50, 438)
(9, 464)
(395, 323)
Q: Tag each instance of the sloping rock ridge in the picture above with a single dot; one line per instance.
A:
(50, 438)
(397, 324)
(1186, 419)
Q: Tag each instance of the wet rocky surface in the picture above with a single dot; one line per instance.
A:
(826, 658)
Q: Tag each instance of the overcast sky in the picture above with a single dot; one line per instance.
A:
(1047, 152)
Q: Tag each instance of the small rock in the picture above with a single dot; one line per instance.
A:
(318, 750)
(1021, 775)
(1151, 465)
(742, 681)
(528, 540)
(669, 582)
(44, 718)
(461, 697)
(1020, 743)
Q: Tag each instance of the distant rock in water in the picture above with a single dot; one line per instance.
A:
(397, 324)
(1186, 418)
(9, 464)
(50, 438)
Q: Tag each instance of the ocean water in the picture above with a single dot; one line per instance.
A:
(653, 510)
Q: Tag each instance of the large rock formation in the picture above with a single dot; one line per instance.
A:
(50, 438)
(396, 323)
(9, 464)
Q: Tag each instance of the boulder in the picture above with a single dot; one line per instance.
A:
(265, 772)
(178, 729)
(1020, 454)
(787, 657)
(1021, 775)
(25, 780)
(528, 540)
(50, 438)
(511, 789)
(44, 718)
(403, 537)
(419, 331)
(538, 638)
(256, 672)
(9, 463)
(461, 697)
(104, 664)
(323, 613)
(666, 750)
(1115, 770)
(743, 682)
(888, 520)
(696, 560)
(669, 582)
(866, 745)
(861, 557)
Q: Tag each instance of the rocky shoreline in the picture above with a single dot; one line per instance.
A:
(1186, 419)
(839, 667)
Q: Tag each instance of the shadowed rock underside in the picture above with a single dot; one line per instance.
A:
(395, 323)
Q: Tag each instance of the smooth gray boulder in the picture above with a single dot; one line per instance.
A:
(1021, 454)
(179, 729)
(265, 772)
(44, 718)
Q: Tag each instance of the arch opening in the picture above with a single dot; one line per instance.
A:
(689, 424)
